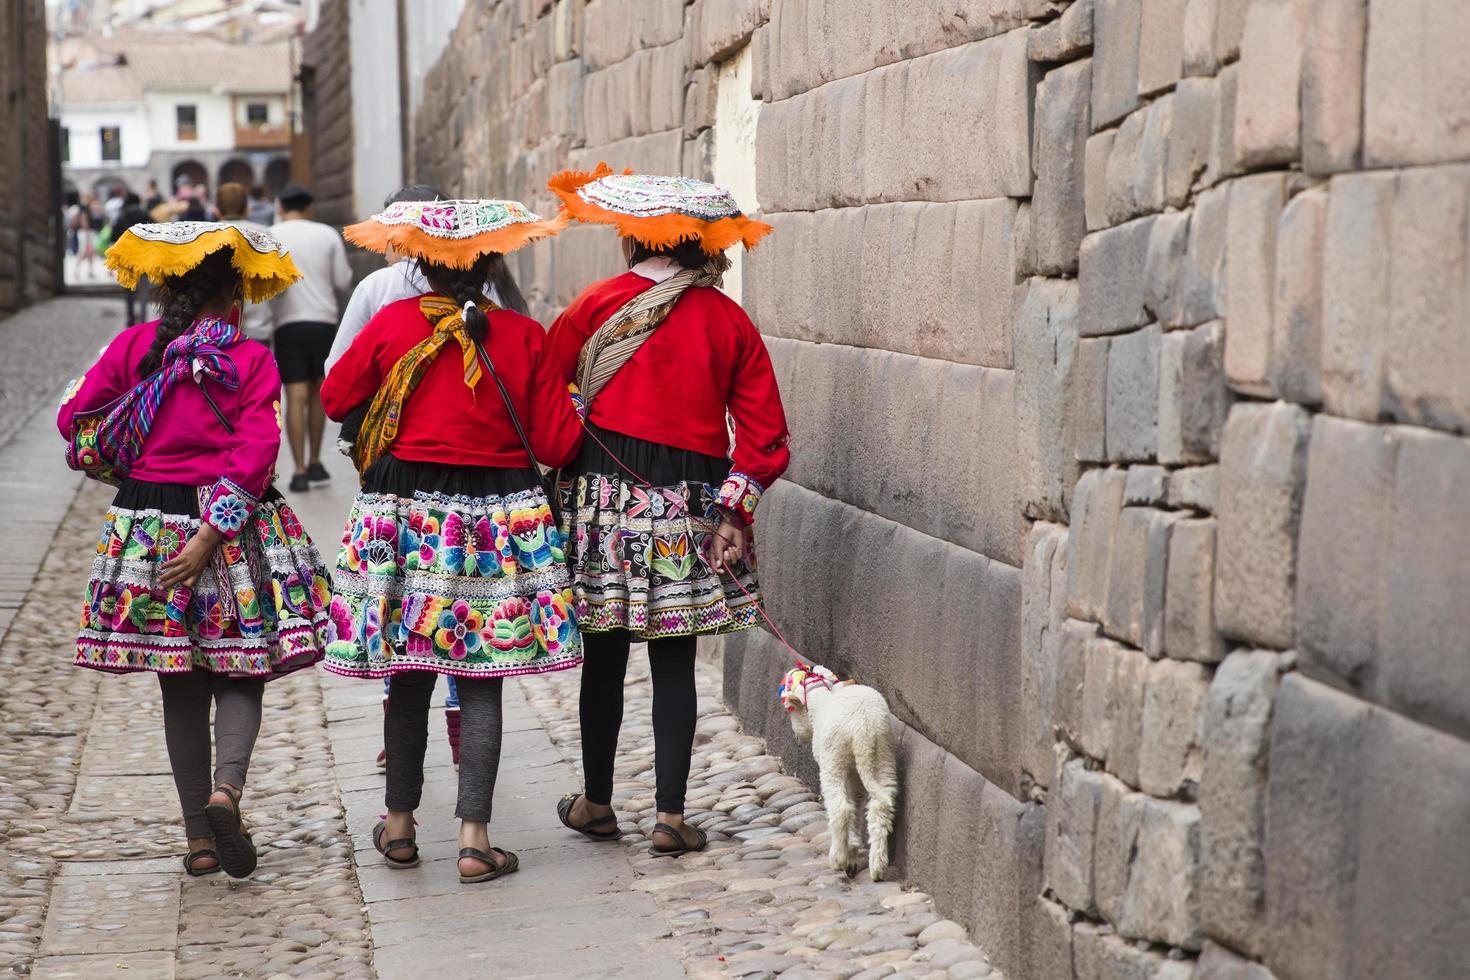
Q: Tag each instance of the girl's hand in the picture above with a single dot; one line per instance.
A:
(727, 545)
(184, 568)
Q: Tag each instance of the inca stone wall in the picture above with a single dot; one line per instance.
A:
(327, 103)
(1127, 354)
(28, 257)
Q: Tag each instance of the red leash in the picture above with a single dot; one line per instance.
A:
(746, 592)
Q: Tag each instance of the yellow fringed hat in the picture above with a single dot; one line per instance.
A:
(657, 211)
(452, 233)
(162, 250)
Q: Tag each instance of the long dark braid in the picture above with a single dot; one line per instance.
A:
(181, 299)
(500, 277)
(464, 286)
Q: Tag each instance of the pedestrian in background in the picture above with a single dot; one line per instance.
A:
(306, 321)
(202, 575)
(654, 511)
(262, 210)
(451, 561)
(231, 200)
(132, 214)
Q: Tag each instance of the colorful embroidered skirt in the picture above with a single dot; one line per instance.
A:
(453, 569)
(636, 550)
(258, 610)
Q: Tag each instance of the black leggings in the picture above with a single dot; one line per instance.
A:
(406, 738)
(675, 710)
(186, 701)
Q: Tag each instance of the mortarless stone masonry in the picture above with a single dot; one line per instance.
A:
(29, 256)
(1088, 422)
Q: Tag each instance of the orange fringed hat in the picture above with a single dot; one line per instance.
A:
(453, 233)
(657, 211)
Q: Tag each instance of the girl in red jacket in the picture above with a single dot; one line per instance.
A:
(451, 562)
(658, 513)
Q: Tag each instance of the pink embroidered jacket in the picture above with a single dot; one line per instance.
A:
(188, 444)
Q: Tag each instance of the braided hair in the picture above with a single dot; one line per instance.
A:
(467, 286)
(183, 296)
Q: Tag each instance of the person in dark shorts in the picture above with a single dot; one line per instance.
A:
(306, 322)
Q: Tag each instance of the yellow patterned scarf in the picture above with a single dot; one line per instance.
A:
(380, 427)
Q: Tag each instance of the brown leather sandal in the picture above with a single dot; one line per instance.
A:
(701, 839)
(589, 829)
(199, 855)
(511, 866)
(236, 849)
(381, 831)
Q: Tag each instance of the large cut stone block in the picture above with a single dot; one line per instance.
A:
(1167, 244)
(1098, 708)
(1147, 867)
(1113, 283)
(1189, 615)
(1128, 175)
(860, 453)
(1425, 636)
(1006, 869)
(1230, 23)
(1222, 163)
(1314, 786)
(1043, 611)
(1255, 214)
(1199, 293)
(1355, 294)
(1296, 333)
(1268, 120)
(1071, 826)
(1204, 395)
(1098, 955)
(1232, 798)
(1412, 867)
(1058, 219)
(1049, 950)
(1263, 460)
(1140, 550)
(1170, 760)
(1194, 488)
(724, 27)
(1064, 38)
(1133, 395)
(1199, 37)
(1126, 703)
(1160, 46)
(1341, 577)
(1097, 506)
(1116, 26)
(1096, 157)
(949, 126)
(1413, 110)
(1332, 86)
(1071, 681)
(1090, 416)
(1046, 396)
(1427, 381)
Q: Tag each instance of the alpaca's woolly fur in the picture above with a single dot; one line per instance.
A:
(847, 725)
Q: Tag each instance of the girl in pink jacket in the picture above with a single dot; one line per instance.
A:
(203, 575)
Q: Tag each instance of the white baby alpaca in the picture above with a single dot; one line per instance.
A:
(847, 725)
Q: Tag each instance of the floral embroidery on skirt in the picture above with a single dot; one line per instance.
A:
(466, 585)
(637, 551)
(258, 610)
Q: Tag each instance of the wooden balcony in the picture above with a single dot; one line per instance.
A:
(262, 137)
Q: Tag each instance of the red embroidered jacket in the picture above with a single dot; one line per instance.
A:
(443, 421)
(706, 357)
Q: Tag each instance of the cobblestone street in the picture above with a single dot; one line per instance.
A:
(90, 835)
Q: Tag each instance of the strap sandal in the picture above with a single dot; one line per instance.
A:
(684, 847)
(589, 829)
(236, 848)
(511, 866)
(200, 855)
(379, 832)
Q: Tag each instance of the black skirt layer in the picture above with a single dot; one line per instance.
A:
(652, 463)
(168, 498)
(405, 477)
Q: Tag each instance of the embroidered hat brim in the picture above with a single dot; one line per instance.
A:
(159, 251)
(657, 211)
(452, 233)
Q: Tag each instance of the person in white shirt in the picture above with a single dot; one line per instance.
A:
(306, 321)
(256, 322)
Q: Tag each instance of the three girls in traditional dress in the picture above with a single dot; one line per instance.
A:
(203, 574)
(453, 561)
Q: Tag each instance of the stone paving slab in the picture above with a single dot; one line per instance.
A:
(115, 914)
(158, 965)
